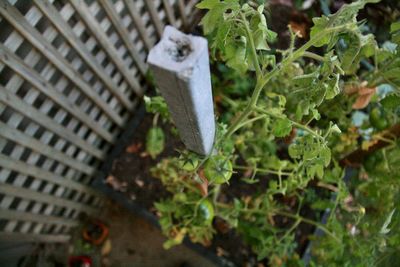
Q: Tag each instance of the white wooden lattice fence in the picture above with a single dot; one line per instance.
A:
(71, 75)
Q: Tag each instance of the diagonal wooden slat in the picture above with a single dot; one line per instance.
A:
(181, 7)
(170, 13)
(33, 238)
(51, 13)
(131, 5)
(96, 30)
(21, 192)
(19, 105)
(46, 88)
(34, 217)
(124, 34)
(30, 170)
(39, 147)
(36, 39)
(154, 17)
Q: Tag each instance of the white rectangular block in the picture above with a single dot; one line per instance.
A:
(181, 70)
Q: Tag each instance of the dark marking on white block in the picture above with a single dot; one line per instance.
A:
(181, 70)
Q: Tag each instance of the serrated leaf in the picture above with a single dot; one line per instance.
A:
(391, 101)
(353, 43)
(319, 25)
(216, 12)
(333, 88)
(294, 151)
(326, 155)
(336, 129)
(207, 4)
(165, 206)
(384, 229)
(282, 127)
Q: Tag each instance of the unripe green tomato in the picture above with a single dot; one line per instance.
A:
(188, 164)
(378, 119)
(372, 161)
(218, 169)
(206, 211)
(180, 197)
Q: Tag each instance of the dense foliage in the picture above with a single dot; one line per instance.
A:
(290, 117)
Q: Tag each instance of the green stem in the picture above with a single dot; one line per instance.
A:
(262, 170)
(308, 221)
(290, 230)
(313, 56)
(262, 79)
(251, 120)
(296, 124)
(253, 50)
(307, 129)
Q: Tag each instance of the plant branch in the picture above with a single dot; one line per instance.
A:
(296, 124)
(313, 56)
(305, 220)
(253, 50)
(268, 171)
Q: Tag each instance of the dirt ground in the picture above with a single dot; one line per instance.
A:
(135, 242)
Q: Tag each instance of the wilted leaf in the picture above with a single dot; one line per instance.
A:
(106, 248)
(202, 185)
(134, 148)
(155, 141)
(364, 96)
(300, 29)
(115, 183)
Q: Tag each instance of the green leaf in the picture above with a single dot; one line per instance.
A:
(315, 170)
(326, 155)
(156, 104)
(353, 43)
(295, 151)
(346, 15)
(207, 4)
(320, 24)
(395, 31)
(155, 141)
(391, 101)
(332, 88)
(384, 229)
(165, 206)
(282, 127)
(215, 15)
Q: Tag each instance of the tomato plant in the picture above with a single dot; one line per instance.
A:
(291, 116)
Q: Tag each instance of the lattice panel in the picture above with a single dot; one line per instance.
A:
(71, 75)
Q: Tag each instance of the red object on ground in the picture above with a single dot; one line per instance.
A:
(95, 232)
(79, 261)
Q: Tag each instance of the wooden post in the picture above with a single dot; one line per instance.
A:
(182, 72)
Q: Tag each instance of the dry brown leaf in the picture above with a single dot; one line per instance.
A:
(115, 183)
(221, 252)
(139, 182)
(144, 154)
(106, 248)
(134, 148)
(203, 187)
(364, 94)
(300, 29)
